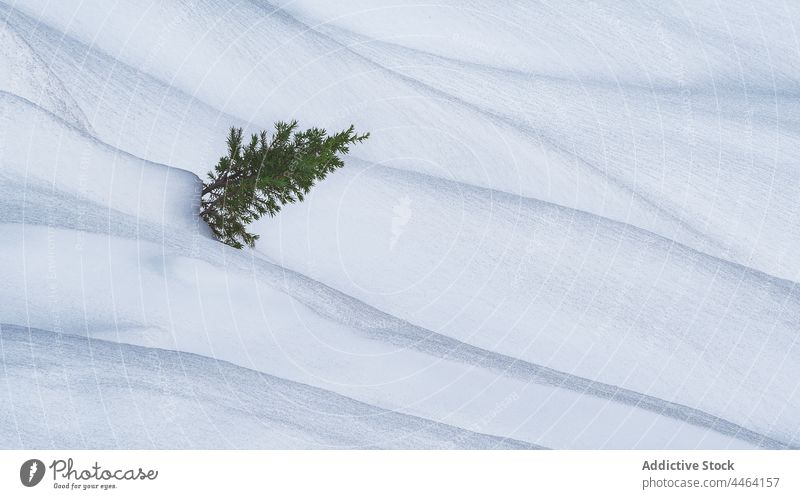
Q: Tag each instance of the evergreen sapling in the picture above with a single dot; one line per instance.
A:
(258, 177)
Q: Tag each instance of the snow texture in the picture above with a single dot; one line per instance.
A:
(573, 226)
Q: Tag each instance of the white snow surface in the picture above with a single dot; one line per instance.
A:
(575, 225)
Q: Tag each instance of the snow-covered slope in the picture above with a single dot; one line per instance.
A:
(23, 73)
(673, 122)
(574, 226)
(39, 148)
(109, 395)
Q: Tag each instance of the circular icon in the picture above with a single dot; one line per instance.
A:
(31, 472)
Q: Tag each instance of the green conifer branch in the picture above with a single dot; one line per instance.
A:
(258, 177)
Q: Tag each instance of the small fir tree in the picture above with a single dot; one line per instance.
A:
(259, 177)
